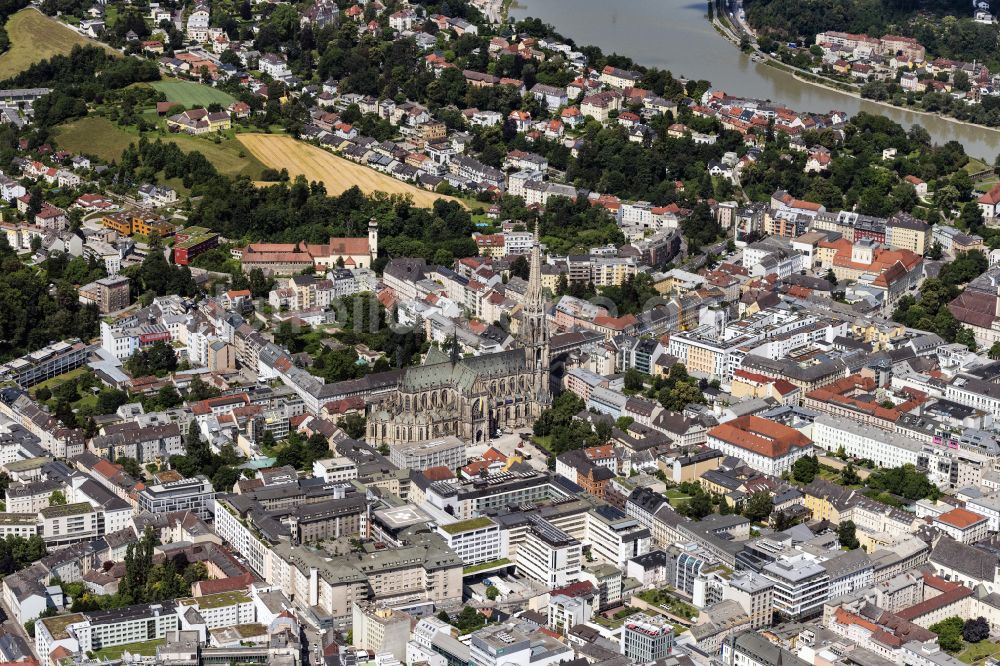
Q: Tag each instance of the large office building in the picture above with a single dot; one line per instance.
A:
(647, 638)
(615, 537)
(549, 555)
(380, 629)
(506, 645)
(195, 495)
(801, 586)
(444, 452)
(475, 540)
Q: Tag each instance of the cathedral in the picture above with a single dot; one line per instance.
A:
(472, 398)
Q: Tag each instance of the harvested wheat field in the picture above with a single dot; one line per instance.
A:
(284, 152)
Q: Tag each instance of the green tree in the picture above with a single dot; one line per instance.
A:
(758, 506)
(847, 535)
(354, 425)
(109, 400)
(949, 633)
(849, 477)
(131, 467)
(904, 481)
(138, 563)
(57, 498)
(681, 395)
(805, 469)
(634, 380)
(966, 337)
(168, 397)
(198, 389)
(158, 359)
(697, 507)
(971, 217)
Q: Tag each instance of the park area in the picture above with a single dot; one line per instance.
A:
(98, 136)
(35, 37)
(192, 94)
(284, 152)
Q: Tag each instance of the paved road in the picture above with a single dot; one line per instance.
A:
(491, 9)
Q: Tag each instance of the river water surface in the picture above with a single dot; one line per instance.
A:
(676, 35)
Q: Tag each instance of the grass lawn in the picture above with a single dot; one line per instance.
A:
(483, 566)
(986, 183)
(229, 156)
(87, 400)
(35, 37)
(975, 165)
(676, 497)
(608, 622)
(94, 135)
(99, 136)
(191, 93)
(974, 652)
(544, 441)
(829, 474)
(50, 384)
(145, 648)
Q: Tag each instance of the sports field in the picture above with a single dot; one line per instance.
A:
(190, 93)
(99, 136)
(284, 152)
(35, 37)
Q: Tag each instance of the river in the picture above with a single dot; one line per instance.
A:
(676, 35)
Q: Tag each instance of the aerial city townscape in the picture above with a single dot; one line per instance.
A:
(417, 332)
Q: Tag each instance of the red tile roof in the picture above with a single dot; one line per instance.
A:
(215, 586)
(935, 603)
(760, 436)
(992, 197)
(960, 518)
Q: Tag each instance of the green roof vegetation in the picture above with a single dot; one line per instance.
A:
(483, 566)
(467, 525)
(57, 625)
(29, 463)
(114, 652)
(223, 599)
(79, 508)
(248, 630)
(18, 518)
(196, 236)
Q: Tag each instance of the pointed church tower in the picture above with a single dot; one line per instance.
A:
(534, 332)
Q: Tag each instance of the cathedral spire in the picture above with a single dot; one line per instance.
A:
(534, 301)
(534, 331)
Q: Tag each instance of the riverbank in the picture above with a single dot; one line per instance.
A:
(675, 35)
(841, 88)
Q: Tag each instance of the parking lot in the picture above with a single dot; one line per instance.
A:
(508, 445)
